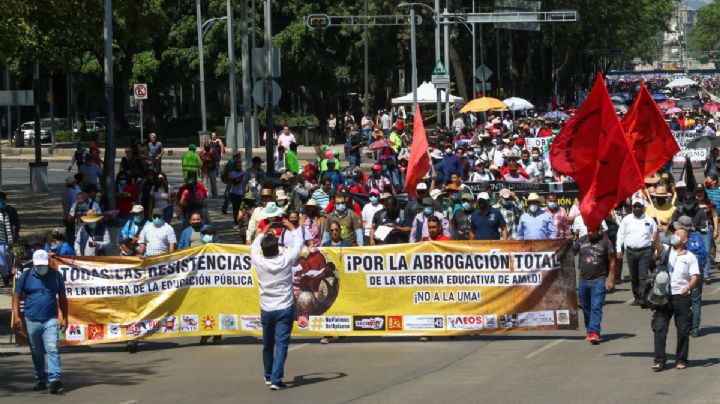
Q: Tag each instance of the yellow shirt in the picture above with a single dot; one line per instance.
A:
(663, 214)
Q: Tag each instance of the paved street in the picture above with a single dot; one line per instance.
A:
(548, 367)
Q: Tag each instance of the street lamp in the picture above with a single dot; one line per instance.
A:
(202, 29)
(413, 54)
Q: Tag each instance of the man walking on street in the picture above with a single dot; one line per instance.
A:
(277, 302)
(43, 291)
(684, 276)
(636, 234)
(596, 262)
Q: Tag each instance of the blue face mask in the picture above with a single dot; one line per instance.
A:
(92, 225)
(158, 221)
(207, 238)
(374, 200)
(122, 183)
(341, 207)
(137, 219)
(428, 210)
(2, 205)
(466, 206)
(552, 205)
(507, 204)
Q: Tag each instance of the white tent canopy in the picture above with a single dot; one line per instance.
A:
(426, 94)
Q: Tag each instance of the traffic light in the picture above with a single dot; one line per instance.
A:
(318, 21)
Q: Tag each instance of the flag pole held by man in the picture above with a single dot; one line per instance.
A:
(593, 149)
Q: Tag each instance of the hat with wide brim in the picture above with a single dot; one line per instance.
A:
(271, 210)
(137, 209)
(653, 179)
(684, 222)
(91, 217)
(533, 197)
(280, 195)
(661, 192)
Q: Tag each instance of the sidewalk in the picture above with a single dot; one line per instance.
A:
(172, 156)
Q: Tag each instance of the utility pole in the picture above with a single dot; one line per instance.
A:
(201, 57)
(247, 72)
(232, 140)
(270, 131)
(482, 60)
(413, 56)
(9, 108)
(365, 51)
(446, 32)
(109, 166)
(474, 62)
(437, 56)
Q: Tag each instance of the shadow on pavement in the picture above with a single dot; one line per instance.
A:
(647, 354)
(710, 302)
(612, 337)
(709, 330)
(18, 376)
(312, 378)
(698, 363)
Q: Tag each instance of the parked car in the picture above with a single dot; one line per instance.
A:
(28, 130)
(91, 126)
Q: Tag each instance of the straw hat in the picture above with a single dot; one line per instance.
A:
(280, 195)
(661, 191)
(653, 179)
(91, 217)
(533, 197)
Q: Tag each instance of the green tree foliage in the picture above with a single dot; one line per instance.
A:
(705, 34)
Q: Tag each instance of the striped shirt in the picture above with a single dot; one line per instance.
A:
(714, 195)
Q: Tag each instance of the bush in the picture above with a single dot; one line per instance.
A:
(64, 136)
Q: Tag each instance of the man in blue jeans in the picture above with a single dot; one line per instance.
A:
(277, 302)
(596, 262)
(42, 288)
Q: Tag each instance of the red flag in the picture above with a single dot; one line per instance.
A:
(593, 150)
(649, 135)
(419, 162)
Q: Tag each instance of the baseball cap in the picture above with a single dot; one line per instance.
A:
(69, 180)
(377, 167)
(421, 186)
(505, 193)
(375, 191)
(40, 257)
(483, 195)
(639, 201)
(684, 222)
(137, 209)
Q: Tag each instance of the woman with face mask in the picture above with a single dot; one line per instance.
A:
(58, 244)
(93, 236)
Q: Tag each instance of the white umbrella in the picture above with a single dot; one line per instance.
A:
(681, 82)
(518, 104)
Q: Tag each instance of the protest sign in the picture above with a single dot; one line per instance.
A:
(429, 288)
(683, 138)
(567, 192)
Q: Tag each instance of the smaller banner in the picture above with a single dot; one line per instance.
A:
(566, 192)
(683, 138)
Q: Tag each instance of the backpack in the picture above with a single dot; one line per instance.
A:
(696, 245)
(656, 294)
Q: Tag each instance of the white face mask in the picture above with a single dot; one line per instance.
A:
(533, 208)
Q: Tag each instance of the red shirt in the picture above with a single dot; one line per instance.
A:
(125, 203)
(545, 132)
(264, 223)
(440, 237)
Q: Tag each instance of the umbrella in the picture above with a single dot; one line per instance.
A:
(659, 97)
(681, 82)
(704, 142)
(617, 99)
(518, 104)
(484, 104)
(381, 144)
(674, 110)
(711, 107)
(667, 104)
(556, 115)
(687, 104)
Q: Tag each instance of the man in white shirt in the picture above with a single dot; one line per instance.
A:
(277, 302)
(385, 122)
(286, 138)
(458, 124)
(636, 234)
(684, 276)
(369, 211)
(157, 238)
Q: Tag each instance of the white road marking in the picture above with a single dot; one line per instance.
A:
(544, 348)
(129, 402)
(298, 347)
